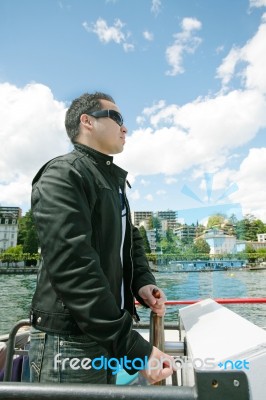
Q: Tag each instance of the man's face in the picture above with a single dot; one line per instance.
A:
(108, 136)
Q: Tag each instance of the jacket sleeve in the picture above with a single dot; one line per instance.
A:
(62, 212)
(142, 274)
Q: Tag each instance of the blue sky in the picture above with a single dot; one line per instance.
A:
(188, 76)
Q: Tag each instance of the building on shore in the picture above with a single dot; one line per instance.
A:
(168, 219)
(9, 217)
(186, 232)
(219, 241)
(257, 245)
(141, 216)
(151, 236)
(261, 237)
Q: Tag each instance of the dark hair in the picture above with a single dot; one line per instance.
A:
(82, 105)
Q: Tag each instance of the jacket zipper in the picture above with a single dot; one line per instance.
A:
(134, 316)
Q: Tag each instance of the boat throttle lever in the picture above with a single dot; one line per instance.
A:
(157, 331)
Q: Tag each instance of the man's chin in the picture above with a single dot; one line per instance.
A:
(117, 151)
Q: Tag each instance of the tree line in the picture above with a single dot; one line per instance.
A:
(187, 248)
(168, 244)
(27, 243)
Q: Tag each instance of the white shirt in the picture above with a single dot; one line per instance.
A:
(123, 219)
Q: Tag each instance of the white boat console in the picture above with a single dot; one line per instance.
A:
(217, 341)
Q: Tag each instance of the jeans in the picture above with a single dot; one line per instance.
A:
(66, 359)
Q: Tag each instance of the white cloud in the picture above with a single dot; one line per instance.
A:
(16, 192)
(251, 61)
(148, 36)
(156, 7)
(190, 24)
(149, 197)
(144, 182)
(202, 133)
(63, 5)
(140, 120)
(32, 132)
(107, 34)
(148, 111)
(153, 109)
(227, 68)
(250, 179)
(219, 49)
(257, 3)
(134, 195)
(161, 192)
(170, 180)
(128, 47)
(184, 42)
(164, 115)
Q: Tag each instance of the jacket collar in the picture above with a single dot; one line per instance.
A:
(94, 154)
(102, 159)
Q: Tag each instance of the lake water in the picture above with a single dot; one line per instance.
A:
(16, 293)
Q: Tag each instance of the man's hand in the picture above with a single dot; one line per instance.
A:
(154, 298)
(160, 366)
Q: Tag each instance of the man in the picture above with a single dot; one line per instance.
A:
(93, 262)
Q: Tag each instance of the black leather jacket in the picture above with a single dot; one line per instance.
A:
(77, 211)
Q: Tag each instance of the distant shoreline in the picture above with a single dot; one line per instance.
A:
(18, 270)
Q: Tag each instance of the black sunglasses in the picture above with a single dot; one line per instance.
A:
(114, 115)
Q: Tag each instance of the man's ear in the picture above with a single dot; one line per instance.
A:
(85, 120)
